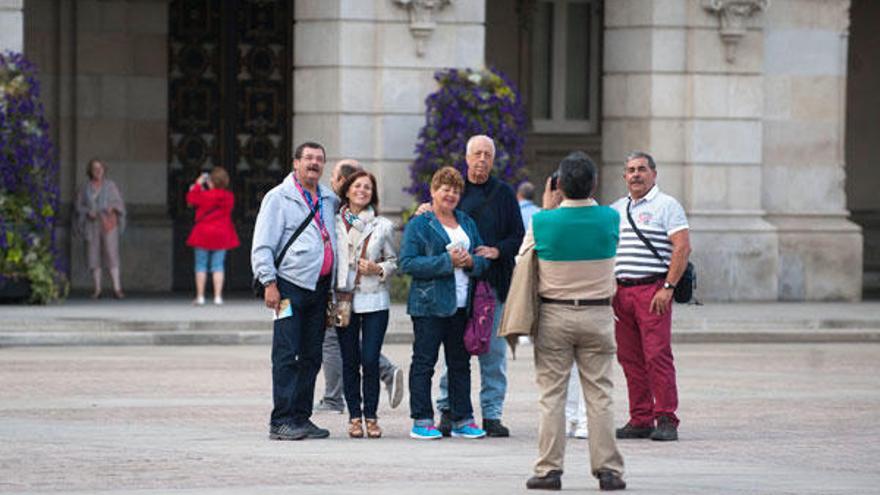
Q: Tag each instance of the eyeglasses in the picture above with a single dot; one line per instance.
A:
(309, 157)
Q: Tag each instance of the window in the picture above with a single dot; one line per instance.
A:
(565, 66)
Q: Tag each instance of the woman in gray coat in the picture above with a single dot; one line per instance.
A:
(100, 219)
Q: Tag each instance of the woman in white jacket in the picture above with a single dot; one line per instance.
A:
(366, 258)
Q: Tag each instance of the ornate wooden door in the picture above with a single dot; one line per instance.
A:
(229, 105)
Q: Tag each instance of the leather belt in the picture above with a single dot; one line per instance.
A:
(631, 282)
(577, 302)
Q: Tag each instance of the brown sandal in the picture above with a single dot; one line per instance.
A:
(356, 428)
(373, 430)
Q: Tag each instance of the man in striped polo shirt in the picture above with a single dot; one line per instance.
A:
(643, 303)
(575, 321)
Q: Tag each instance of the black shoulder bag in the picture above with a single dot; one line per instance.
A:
(256, 286)
(684, 289)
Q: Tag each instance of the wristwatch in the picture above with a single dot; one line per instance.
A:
(667, 285)
(269, 282)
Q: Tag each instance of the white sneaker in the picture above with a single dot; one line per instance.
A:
(199, 301)
(218, 301)
(581, 432)
(395, 388)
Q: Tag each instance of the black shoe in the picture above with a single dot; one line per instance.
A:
(494, 428)
(632, 431)
(285, 432)
(550, 481)
(313, 431)
(445, 425)
(666, 430)
(609, 480)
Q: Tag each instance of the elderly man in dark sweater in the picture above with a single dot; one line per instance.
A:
(493, 206)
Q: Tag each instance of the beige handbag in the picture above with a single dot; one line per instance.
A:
(339, 313)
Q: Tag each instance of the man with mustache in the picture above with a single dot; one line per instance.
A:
(643, 303)
(297, 289)
(389, 373)
(493, 206)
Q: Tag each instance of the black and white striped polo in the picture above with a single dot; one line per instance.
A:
(658, 216)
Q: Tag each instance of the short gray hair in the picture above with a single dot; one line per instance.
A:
(641, 154)
(477, 137)
(526, 190)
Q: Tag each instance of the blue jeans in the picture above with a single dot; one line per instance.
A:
(493, 374)
(361, 345)
(296, 352)
(430, 332)
(216, 258)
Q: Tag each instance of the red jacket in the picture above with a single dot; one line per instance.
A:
(213, 229)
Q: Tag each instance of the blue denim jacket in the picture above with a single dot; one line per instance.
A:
(423, 255)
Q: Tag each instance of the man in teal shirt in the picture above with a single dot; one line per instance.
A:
(575, 245)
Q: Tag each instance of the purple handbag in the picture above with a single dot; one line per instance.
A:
(478, 331)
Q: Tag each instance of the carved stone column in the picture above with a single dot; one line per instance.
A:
(668, 92)
(820, 249)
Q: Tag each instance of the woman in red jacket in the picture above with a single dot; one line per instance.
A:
(213, 232)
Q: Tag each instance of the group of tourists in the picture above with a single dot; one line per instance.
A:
(316, 247)
(575, 277)
(585, 283)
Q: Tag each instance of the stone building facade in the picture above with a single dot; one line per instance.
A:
(759, 124)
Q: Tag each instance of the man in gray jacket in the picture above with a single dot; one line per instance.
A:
(298, 289)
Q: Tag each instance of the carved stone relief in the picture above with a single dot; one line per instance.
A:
(733, 15)
(421, 19)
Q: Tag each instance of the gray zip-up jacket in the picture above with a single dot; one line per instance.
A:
(283, 209)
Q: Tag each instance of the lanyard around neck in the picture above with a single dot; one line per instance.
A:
(315, 205)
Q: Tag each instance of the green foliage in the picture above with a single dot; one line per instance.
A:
(399, 287)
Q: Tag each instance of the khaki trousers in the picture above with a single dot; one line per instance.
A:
(584, 335)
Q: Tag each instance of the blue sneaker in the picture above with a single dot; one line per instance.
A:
(428, 432)
(468, 430)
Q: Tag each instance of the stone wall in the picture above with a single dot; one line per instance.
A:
(360, 85)
(103, 67)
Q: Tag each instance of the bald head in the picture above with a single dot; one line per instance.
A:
(343, 170)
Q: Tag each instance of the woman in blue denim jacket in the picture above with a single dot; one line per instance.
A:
(438, 252)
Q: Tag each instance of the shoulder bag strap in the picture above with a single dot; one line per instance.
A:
(357, 278)
(299, 230)
(642, 236)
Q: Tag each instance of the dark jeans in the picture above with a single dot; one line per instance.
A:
(361, 344)
(296, 352)
(430, 332)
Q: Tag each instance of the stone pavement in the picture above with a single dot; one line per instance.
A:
(756, 419)
(173, 320)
